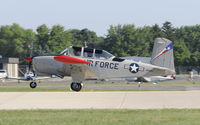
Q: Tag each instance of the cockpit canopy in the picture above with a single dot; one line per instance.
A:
(86, 52)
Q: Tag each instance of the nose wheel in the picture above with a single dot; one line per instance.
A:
(76, 86)
(33, 84)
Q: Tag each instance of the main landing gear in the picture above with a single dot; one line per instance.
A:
(76, 86)
(33, 84)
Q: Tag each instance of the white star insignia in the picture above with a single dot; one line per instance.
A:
(134, 68)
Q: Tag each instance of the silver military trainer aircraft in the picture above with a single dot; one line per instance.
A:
(81, 63)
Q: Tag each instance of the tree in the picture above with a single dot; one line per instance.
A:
(191, 37)
(121, 40)
(118, 39)
(42, 40)
(79, 37)
(157, 33)
(59, 39)
(195, 61)
(14, 41)
(168, 30)
(181, 53)
(127, 40)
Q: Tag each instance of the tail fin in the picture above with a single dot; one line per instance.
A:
(163, 53)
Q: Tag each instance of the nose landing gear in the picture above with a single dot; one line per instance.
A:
(33, 84)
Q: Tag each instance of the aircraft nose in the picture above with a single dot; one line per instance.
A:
(36, 63)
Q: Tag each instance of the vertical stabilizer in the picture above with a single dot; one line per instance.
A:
(163, 53)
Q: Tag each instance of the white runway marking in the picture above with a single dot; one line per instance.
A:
(100, 100)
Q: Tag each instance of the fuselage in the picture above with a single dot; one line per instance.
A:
(102, 68)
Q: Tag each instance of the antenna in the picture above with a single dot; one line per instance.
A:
(31, 48)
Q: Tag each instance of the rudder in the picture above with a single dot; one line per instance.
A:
(163, 53)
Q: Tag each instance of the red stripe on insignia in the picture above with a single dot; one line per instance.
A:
(70, 60)
(126, 66)
(141, 68)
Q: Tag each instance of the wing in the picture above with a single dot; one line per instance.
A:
(79, 68)
(32, 78)
(22, 78)
(79, 72)
(42, 78)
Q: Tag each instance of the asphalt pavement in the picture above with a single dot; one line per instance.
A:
(100, 100)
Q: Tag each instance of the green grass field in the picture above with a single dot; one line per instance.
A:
(101, 117)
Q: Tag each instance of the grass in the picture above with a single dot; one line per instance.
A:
(186, 75)
(180, 83)
(100, 117)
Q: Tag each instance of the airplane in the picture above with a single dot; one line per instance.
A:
(3, 75)
(156, 79)
(30, 76)
(81, 63)
(153, 79)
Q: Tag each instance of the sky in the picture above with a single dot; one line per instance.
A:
(98, 15)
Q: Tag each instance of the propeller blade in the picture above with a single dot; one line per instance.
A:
(29, 66)
(70, 60)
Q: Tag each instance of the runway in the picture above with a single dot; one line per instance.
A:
(100, 100)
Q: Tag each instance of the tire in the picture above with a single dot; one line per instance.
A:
(33, 84)
(76, 86)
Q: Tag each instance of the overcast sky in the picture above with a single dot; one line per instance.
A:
(98, 15)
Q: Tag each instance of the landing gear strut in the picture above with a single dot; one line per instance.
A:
(76, 86)
(33, 84)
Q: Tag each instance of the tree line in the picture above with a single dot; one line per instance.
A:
(121, 40)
